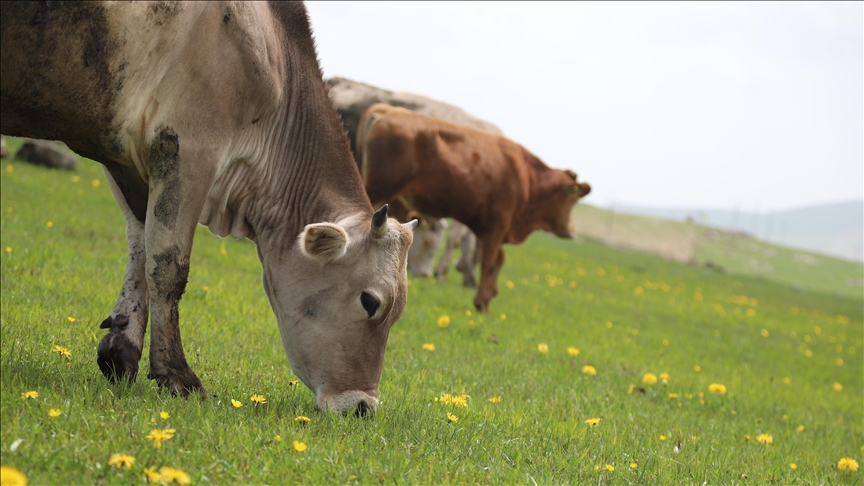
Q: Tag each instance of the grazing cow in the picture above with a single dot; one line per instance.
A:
(493, 185)
(215, 113)
(351, 99)
(44, 153)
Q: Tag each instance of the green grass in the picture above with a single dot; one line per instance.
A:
(537, 433)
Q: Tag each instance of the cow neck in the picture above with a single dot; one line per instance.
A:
(310, 176)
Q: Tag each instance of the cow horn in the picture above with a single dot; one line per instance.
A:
(379, 222)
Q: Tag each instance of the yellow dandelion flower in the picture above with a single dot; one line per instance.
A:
(746, 437)
(171, 474)
(10, 168)
(662, 437)
(258, 399)
(495, 399)
(608, 324)
(503, 317)
(121, 460)
(697, 368)
(70, 319)
(443, 321)
(649, 378)
(95, 183)
(787, 380)
(751, 313)
(573, 351)
(459, 400)
(664, 378)
(673, 396)
(299, 446)
(800, 428)
(717, 389)
(638, 291)
(589, 370)
(302, 419)
(793, 466)
(597, 467)
(847, 464)
(593, 421)
(609, 467)
(49, 224)
(631, 388)
(54, 413)
(236, 403)
(9, 476)
(29, 394)
(766, 439)
(633, 465)
(665, 342)
(543, 348)
(510, 284)
(839, 361)
(764, 332)
(292, 382)
(164, 415)
(151, 475)
(837, 387)
(64, 352)
(277, 438)
(160, 435)
(429, 346)
(471, 322)
(452, 418)
(8, 249)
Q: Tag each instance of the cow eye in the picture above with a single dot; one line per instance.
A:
(370, 303)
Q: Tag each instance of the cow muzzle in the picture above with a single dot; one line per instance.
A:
(359, 403)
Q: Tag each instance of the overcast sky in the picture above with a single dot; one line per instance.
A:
(706, 105)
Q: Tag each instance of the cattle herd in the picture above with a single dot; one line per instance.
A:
(217, 114)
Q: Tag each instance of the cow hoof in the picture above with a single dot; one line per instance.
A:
(118, 358)
(481, 306)
(181, 383)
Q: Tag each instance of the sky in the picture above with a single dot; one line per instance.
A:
(754, 106)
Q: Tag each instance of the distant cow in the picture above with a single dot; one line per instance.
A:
(40, 152)
(215, 113)
(351, 99)
(4, 152)
(491, 184)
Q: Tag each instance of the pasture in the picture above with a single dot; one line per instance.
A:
(790, 363)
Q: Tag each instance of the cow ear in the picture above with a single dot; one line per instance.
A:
(324, 242)
(583, 188)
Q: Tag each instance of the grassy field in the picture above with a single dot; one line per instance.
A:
(735, 253)
(790, 361)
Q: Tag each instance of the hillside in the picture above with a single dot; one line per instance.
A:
(732, 252)
(829, 229)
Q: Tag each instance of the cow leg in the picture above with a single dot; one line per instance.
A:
(444, 262)
(177, 194)
(468, 259)
(120, 350)
(490, 265)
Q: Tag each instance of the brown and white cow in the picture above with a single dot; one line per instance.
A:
(215, 113)
(491, 184)
(352, 98)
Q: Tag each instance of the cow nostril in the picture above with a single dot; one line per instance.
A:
(363, 410)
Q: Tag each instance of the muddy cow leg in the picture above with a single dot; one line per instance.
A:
(490, 265)
(180, 177)
(120, 349)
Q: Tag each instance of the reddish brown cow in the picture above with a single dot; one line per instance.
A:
(491, 184)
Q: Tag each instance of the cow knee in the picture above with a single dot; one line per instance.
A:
(170, 274)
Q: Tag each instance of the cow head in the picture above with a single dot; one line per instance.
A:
(336, 295)
(428, 237)
(550, 206)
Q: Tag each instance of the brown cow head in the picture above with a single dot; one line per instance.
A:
(550, 206)
(336, 298)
